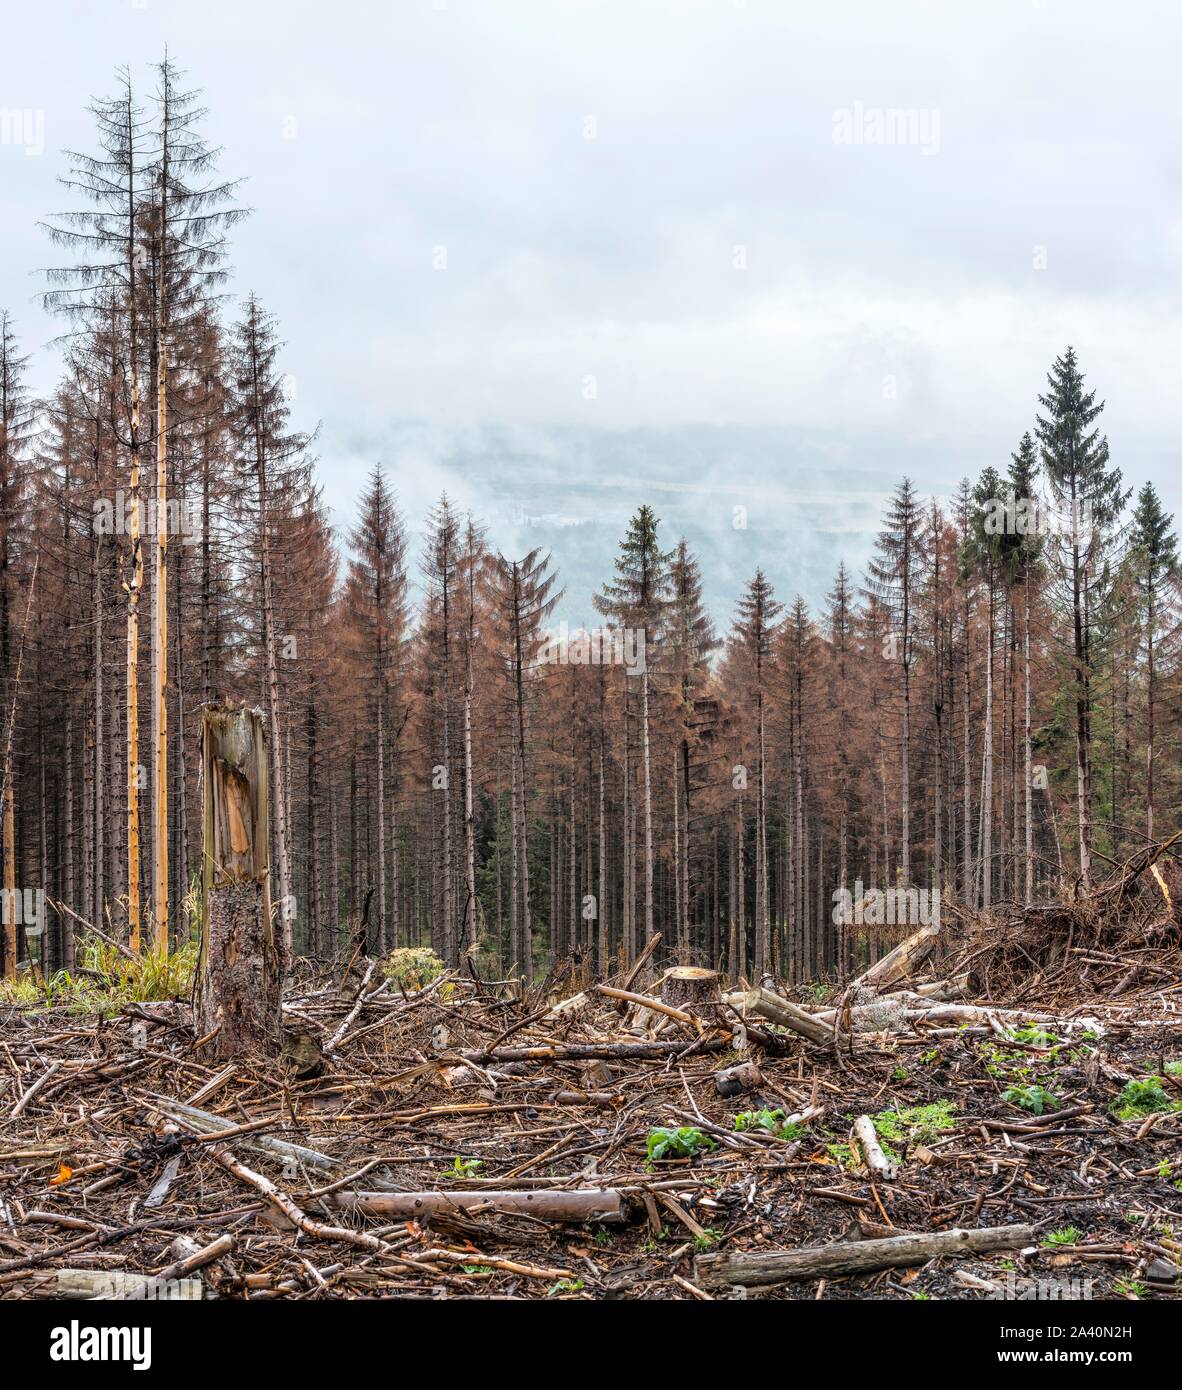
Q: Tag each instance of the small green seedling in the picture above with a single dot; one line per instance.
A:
(1065, 1235)
(773, 1121)
(685, 1142)
(1037, 1099)
(464, 1167)
(1034, 1036)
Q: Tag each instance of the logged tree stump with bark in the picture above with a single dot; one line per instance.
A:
(690, 988)
(240, 963)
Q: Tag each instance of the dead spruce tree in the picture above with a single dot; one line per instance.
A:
(241, 958)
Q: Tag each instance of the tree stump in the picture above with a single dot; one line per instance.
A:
(733, 1081)
(691, 988)
(240, 969)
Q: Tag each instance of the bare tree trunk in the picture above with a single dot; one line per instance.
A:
(160, 587)
(648, 810)
(987, 788)
(241, 960)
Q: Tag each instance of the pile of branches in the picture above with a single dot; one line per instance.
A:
(1123, 937)
(655, 1135)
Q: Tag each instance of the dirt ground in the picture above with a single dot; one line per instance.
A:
(452, 1089)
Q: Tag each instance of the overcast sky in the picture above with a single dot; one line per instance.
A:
(561, 257)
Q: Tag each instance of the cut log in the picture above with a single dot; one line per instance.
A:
(240, 963)
(733, 1081)
(763, 1004)
(601, 1205)
(88, 1284)
(575, 1004)
(899, 963)
(690, 987)
(854, 1257)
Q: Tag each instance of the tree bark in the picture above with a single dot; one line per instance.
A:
(241, 959)
(854, 1257)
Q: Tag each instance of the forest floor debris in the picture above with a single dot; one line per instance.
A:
(447, 1141)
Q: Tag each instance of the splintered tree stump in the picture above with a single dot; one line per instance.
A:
(240, 968)
(690, 988)
(733, 1081)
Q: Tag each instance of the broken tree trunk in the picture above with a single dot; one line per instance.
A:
(733, 1081)
(240, 966)
(899, 963)
(854, 1257)
(763, 1004)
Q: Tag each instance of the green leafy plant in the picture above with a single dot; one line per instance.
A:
(1037, 1099)
(685, 1142)
(1035, 1036)
(412, 967)
(1141, 1098)
(1130, 1288)
(899, 1074)
(759, 1119)
(708, 1239)
(565, 1286)
(1065, 1235)
(773, 1121)
(463, 1167)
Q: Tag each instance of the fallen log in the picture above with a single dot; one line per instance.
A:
(763, 1004)
(646, 1002)
(853, 1257)
(599, 1205)
(899, 963)
(205, 1123)
(583, 1051)
(118, 1284)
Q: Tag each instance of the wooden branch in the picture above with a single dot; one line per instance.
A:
(347, 1023)
(876, 1160)
(600, 1205)
(853, 1257)
(763, 1004)
(554, 1052)
(646, 1002)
